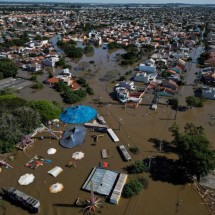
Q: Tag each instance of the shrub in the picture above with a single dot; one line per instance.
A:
(193, 101)
(40, 72)
(33, 77)
(88, 49)
(144, 182)
(37, 86)
(89, 90)
(61, 62)
(122, 78)
(138, 167)
(82, 82)
(135, 150)
(132, 188)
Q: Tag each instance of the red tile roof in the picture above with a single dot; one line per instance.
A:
(53, 80)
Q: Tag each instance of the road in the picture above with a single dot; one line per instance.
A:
(189, 78)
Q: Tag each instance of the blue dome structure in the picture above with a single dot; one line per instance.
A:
(79, 114)
(73, 136)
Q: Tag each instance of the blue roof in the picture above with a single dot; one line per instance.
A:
(79, 114)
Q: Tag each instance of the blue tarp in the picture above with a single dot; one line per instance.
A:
(73, 136)
(79, 114)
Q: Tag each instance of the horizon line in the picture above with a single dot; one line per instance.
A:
(100, 3)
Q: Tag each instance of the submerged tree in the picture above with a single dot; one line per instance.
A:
(8, 68)
(138, 167)
(193, 149)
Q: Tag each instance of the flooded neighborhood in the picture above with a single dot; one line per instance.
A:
(107, 108)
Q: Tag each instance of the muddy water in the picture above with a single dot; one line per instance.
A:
(138, 126)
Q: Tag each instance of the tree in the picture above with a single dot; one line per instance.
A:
(132, 188)
(73, 52)
(193, 101)
(38, 37)
(61, 62)
(113, 45)
(37, 86)
(193, 149)
(47, 109)
(173, 102)
(138, 167)
(27, 118)
(89, 90)
(34, 78)
(16, 120)
(8, 68)
(88, 49)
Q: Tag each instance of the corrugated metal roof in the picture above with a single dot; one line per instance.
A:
(103, 181)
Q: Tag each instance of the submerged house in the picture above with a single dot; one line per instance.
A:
(208, 92)
(169, 84)
(148, 68)
(144, 77)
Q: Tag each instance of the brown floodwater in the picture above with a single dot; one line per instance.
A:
(138, 126)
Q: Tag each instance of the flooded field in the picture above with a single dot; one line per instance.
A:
(139, 127)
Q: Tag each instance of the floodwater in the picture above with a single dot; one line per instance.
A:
(137, 128)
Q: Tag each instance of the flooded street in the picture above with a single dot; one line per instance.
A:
(138, 127)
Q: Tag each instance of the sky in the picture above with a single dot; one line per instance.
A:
(120, 1)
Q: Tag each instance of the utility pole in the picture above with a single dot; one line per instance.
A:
(120, 122)
(150, 161)
(161, 144)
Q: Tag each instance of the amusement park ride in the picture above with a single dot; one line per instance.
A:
(89, 205)
(52, 132)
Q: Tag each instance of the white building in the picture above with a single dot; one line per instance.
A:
(50, 61)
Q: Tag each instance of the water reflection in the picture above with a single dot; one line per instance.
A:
(54, 41)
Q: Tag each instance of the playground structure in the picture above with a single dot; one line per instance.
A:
(4, 164)
(89, 205)
(25, 143)
(52, 133)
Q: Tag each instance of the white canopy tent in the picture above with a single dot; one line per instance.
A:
(55, 171)
(26, 179)
(55, 188)
(51, 151)
(78, 155)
